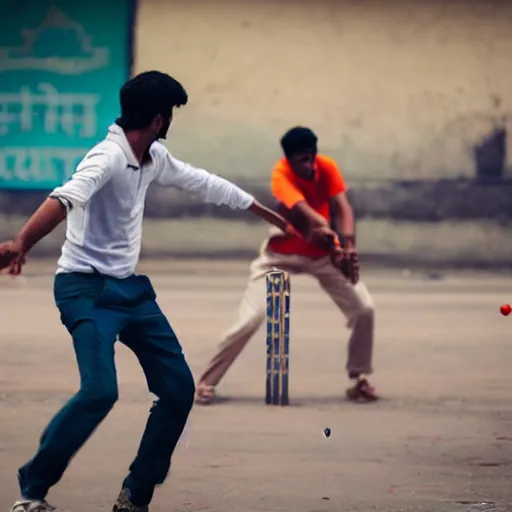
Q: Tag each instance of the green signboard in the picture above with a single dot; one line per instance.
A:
(61, 65)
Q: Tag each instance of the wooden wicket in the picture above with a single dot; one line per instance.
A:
(278, 337)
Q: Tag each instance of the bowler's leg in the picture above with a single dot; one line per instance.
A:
(154, 343)
(94, 334)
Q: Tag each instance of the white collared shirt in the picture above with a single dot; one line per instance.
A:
(105, 202)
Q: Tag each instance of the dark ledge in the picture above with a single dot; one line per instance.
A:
(401, 200)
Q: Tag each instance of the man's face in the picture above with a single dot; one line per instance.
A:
(303, 164)
(166, 124)
(160, 126)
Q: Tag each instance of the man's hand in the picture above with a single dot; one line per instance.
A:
(322, 236)
(49, 215)
(347, 261)
(12, 257)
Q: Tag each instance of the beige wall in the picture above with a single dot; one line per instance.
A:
(396, 89)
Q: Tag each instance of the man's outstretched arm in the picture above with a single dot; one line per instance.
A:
(214, 189)
(45, 219)
(91, 174)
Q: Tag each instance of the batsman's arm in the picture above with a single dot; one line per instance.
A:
(213, 189)
(314, 219)
(346, 215)
(317, 228)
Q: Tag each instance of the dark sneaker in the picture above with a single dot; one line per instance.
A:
(123, 504)
(32, 506)
(362, 391)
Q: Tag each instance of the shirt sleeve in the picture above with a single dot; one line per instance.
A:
(91, 174)
(285, 190)
(336, 183)
(209, 187)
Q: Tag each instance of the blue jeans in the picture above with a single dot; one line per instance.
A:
(97, 310)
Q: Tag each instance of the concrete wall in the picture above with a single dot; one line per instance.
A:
(399, 93)
(395, 89)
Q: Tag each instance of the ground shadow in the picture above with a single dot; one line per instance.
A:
(300, 401)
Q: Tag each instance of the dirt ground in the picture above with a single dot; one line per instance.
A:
(440, 439)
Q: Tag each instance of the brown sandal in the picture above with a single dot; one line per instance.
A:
(362, 391)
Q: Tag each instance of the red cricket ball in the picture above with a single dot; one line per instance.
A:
(506, 309)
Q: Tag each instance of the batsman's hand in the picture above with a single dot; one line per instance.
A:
(347, 261)
(322, 236)
(12, 257)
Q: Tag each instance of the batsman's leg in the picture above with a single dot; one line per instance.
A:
(357, 305)
(251, 314)
(153, 341)
(94, 332)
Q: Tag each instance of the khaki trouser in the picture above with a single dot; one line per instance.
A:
(354, 301)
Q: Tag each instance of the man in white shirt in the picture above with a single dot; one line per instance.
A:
(100, 297)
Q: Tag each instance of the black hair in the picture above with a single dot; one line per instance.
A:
(299, 140)
(146, 95)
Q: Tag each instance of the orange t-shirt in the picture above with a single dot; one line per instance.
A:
(289, 189)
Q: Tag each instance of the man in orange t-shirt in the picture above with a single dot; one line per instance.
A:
(306, 185)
